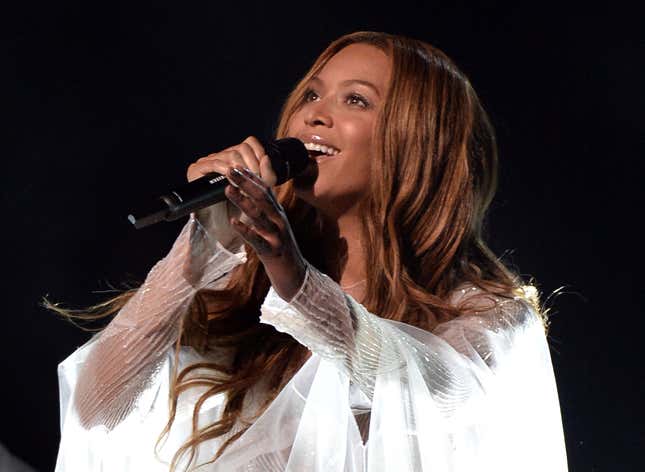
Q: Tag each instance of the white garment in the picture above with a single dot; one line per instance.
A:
(476, 394)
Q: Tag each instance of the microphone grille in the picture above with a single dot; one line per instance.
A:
(289, 157)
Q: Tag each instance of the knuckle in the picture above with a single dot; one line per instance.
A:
(232, 155)
(255, 144)
(246, 146)
(278, 247)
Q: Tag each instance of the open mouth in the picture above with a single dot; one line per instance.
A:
(320, 151)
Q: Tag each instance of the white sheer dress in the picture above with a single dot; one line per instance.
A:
(478, 393)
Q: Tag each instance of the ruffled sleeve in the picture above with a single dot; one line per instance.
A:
(118, 363)
(478, 393)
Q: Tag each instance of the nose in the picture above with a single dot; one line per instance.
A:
(318, 114)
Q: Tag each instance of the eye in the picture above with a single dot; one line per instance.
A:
(356, 99)
(309, 95)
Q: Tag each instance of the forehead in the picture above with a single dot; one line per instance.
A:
(358, 62)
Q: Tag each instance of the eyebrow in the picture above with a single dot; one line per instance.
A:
(353, 81)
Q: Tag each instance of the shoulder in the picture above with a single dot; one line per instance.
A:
(492, 326)
(493, 311)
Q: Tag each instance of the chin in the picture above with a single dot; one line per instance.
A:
(307, 191)
(330, 205)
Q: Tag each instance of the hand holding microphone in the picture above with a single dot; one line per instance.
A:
(256, 215)
(252, 207)
(250, 154)
(276, 162)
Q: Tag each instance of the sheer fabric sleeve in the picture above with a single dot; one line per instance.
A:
(125, 355)
(478, 393)
(335, 326)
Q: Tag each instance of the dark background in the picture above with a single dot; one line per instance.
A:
(103, 105)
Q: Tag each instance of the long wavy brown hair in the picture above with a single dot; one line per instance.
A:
(433, 179)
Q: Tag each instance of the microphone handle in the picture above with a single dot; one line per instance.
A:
(200, 193)
(182, 200)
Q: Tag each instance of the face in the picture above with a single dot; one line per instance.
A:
(336, 122)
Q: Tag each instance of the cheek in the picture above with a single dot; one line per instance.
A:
(359, 134)
(362, 172)
(361, 155)
(344, 177)
(289, 125)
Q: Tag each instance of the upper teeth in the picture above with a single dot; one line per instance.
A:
(322, 148)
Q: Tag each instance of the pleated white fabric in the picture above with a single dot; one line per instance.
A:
(478, 393)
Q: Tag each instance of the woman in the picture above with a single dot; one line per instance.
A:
(355, 321)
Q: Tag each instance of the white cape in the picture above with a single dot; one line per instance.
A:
(506, 419)
(477, 394)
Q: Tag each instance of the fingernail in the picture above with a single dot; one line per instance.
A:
(237, 172)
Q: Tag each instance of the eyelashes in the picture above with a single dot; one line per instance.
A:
(352, 98)
(358, 100)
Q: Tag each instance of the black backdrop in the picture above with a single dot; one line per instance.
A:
(104, 104)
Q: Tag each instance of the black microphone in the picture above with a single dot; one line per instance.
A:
(288, 156)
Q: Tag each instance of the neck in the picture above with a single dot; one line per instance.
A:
(344, 248)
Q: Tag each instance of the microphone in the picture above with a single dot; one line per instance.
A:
(288, 156)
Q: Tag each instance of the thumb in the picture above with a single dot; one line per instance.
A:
(266, 171)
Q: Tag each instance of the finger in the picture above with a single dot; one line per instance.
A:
(246, 154)
(229, 156)
(218, 162)
(256, 145)
(234, 158)
(202, 167)
(223, 162)
(255, 215)
(251, 150)
(251, 160)
(266, 171)
(239, 158)
(250, 235)
(251, 185)
(261, 191)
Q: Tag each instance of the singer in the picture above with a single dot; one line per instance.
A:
(350, 319)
